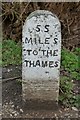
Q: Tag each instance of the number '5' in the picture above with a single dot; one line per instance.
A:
(39, 26)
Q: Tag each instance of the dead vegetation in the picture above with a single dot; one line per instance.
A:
(14, 15)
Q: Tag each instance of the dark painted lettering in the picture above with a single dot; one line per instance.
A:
(38, 63)
(40, 42)
(35, 52)
(47, 28)
(49, 52)
(43, 52)
(28, 40)
(55, 53)
(32, 64)
(46, 40)
(29, 52)
(56, 64)
(51, 64)
(35, 41)
(55, 40)
(26, 62)
(38, 28)
(44, 63)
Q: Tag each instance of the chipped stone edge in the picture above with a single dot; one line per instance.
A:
(41, 12)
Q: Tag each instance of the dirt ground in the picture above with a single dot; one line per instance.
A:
(15, 107)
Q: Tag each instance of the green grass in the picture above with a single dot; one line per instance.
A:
(11, 53)
(70, 65)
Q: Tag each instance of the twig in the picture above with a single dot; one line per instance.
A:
(61, 90)
(24, 9)
(71, 22)
(71, 37)
(68, 26)
(8, 79)
(20, 17)
(3, 20)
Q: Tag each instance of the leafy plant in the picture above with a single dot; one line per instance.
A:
(66, 87)
(11, 52)
(70, 64)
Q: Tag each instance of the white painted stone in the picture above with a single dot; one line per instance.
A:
(41, 45)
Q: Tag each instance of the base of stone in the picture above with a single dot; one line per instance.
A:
(40, 105)
(41, 90)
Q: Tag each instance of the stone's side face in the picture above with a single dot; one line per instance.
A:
(41, 56)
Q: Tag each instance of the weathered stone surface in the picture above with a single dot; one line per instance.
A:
(41, 56)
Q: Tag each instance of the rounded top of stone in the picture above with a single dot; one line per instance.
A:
(41, 12)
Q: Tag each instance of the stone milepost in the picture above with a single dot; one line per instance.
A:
(41, 56)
